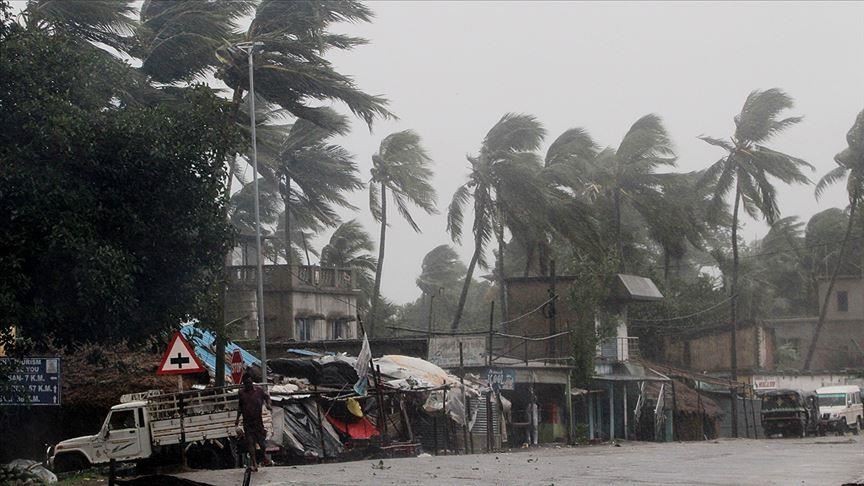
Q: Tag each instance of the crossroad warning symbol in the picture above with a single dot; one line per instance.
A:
(179, 358)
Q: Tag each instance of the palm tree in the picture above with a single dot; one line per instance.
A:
(441, 268)
(313, 175)
(850, 165)
(507, 191)
(747, 165)
(402, 167)
(350, 246)
(623, 179)
(95, 21)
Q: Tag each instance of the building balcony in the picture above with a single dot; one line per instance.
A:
(618, 349)
(296, 277)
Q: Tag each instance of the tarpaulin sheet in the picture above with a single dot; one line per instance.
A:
(362, 429)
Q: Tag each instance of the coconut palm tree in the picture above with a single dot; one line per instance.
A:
(350, 246)
(850, 164)
(747, 166)
(401, 167)
(313, 175)
(622, 180)
(441, 268)
(507, 191)
(108, 22)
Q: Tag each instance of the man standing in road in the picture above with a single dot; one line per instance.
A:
(251, 399)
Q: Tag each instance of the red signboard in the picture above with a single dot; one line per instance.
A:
(236, 367)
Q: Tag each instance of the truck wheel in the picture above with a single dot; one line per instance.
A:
(70, 462)
(857, 429)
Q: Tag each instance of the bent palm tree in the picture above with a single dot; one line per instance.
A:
(850, 165)
(747, 165)
(402, 167)
(313, 175)
(350, 246)
(622, 179)
(506, 189)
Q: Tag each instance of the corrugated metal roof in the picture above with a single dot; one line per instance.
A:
(204, 344)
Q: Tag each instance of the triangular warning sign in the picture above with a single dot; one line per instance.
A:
(179, 358)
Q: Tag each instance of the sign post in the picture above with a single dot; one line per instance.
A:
(179, 359)
(236, 366)
(444, 350)
(31, 381)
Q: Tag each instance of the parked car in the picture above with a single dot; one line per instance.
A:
(840, 408)
(789, 413)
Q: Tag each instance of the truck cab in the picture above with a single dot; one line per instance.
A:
(124, 436)
(840, 408)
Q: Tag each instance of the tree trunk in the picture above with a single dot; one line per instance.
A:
(824, 310)
(286, 199)
(733, 309)
(622, 268)
(373, 318)
(464, 295)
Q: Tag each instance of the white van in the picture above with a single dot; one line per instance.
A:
(840, 408)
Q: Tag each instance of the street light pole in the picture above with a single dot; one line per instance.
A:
(262, 334)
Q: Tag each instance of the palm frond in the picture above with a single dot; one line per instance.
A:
(758, 121)
(646, 145)
(724, 144)
(375, 200)
(108, 22)
(455, 212)
(514, 132)
(573, 145)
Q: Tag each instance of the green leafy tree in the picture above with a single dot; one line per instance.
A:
(506, 190)
(350, 246)
(401, 167)
(90, 254)
(745, 171)
(851, 166)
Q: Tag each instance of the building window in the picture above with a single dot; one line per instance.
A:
(341, 329)
(842, 301)
(303, 329)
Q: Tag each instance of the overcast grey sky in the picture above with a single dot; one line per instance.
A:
(451, 69)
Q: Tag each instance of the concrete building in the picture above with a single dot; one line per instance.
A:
(535, 343)
(301, 303)
(772, 352)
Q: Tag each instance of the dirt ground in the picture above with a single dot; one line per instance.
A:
(824, 460)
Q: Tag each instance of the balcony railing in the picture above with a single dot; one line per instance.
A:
(618, 349)
(281, 277)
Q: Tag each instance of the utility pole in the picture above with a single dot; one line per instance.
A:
(553, 324)
(259, 270)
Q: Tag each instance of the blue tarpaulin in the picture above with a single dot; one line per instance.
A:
(204, 343)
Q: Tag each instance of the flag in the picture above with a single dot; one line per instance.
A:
(362, 367)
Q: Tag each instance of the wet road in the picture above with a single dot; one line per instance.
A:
(823, 460)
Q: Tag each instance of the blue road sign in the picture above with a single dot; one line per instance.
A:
(30, 381)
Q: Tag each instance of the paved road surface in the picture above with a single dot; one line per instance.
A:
(822, 461)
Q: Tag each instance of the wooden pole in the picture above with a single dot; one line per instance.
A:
(569, 401)
(465, 409)
(489, 422)
(320, 427)
(446, 421)
(491, 332)
(674, 412)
